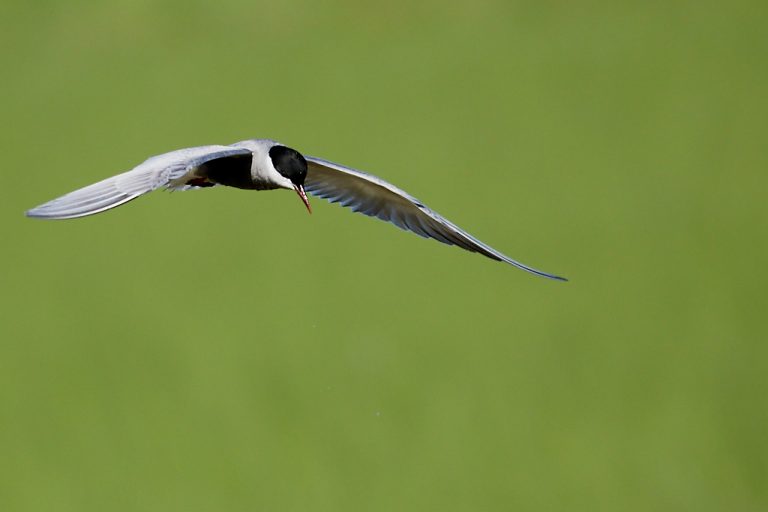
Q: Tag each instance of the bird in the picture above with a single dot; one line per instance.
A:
(265, 164)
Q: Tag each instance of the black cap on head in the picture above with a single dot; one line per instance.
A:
(290, 163)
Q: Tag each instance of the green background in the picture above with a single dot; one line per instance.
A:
(222, 350)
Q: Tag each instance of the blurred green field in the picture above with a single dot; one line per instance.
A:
(223, 350)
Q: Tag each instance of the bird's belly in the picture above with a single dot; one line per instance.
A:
(232, 172)
(237, 174)
(257, 184)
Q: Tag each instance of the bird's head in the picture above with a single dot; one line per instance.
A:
(292, 166)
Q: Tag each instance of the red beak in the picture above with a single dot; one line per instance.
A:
(303, 195)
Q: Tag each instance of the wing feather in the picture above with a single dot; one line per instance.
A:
(171, 170)
(372, 196)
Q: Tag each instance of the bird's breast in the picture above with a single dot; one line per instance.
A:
(234, 171)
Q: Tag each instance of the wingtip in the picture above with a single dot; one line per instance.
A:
(39, 213)
(549, 276)
(531, 269)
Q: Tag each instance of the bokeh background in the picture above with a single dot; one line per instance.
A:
(223, 350)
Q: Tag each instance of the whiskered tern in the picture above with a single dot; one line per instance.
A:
(263, 164)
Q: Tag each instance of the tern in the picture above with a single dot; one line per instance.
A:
(265, 164)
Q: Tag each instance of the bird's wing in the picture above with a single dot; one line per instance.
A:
(375, 197)
(172, 170)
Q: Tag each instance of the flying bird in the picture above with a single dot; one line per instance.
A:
(264, 164)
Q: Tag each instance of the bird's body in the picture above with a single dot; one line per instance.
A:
(264, 164)
(262, 172)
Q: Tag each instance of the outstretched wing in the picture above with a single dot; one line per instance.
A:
(176, 170)
(375, 197)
